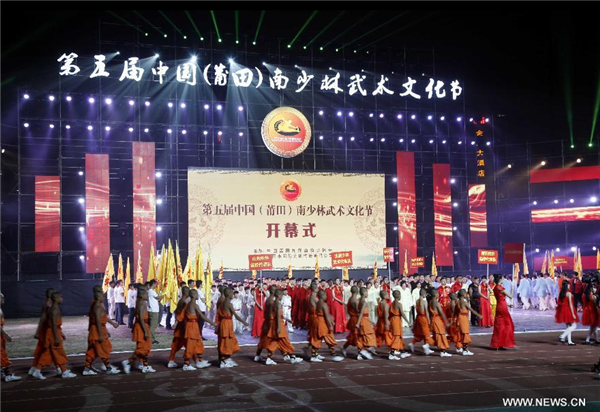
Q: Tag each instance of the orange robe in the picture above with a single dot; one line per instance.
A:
(395, 331)
(271, 340)
(421, 331)
(320, 331)
(193, 345)
(95, 348)
(366, 334)
(143, 346)
(453, 328)
(51, 353)
(39, 347)
(178, 334)
(382, 335)
(228, 344)
(351, 339)
(463, 331)
(3, 355)
(439, 331)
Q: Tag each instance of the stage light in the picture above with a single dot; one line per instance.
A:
(289, 46)
(90, 127)
(429, 117)
(543, 163)
(206, 107)
(108, 101)
(395, 227)
(413, 117)
(537, 250)
(454, 228)
(401, 140)
(370, 114)
(51, 98)
(509, 166)
(169, 131)
(455, 204)
(320, 112)
(131, 102)
(193, 59)
(452, 180)
(147, 103)
(443, 142)
(593, 199)
(442, 118)
(51, 126)
(81, 200)
(69, 98)
(579, 160)
(219, 107)
(572, 146)
(460, 142)
(352, 139)
(159, 201)
(339, 114)
(488, 143)
(571, 200)
(594, 248)
(25, 96)
(383, 140)
(351, 114)
(231, 61)
(535, 202)
(91, 100)
(330, 68)
(158, 175)
(81, 257)
(146, 34)
(413, 140)
(573, 249)
(25, 124)
(264, 64)
(555, 201)
(81, 228)
(182, 105)
(395, 204)
(205, 132)
(165, 35)
(381, 115)
(241, 134)
(107, 128)
(130, 129)
(431, 142)
(68, 126)
(146, 130)
(170, 104)
(471, 119)
(473, 143)
(394, 179)
(558, 249)
(399, 116)
(371, 139)
(320, 137)
(159, 228)
(458, 119)
(240, 108)
(340, 138)
(184, 131)
(590, 145)
(80, 173)
(456, 252)
(487, 120)
(220, 133)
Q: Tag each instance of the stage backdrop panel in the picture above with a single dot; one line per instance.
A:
(407, 214)
(144, 202)
(97, 212)
(477, 215)
(47, 214)
(296, 216)
(442, 207)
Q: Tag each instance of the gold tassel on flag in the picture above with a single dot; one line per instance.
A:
(120, 269)
(405, 271)
(290, 274)
(434, 271)
(127, 280)
(254, 275)
(109, 272)
(345, 274)
(317, 271)
(375, 274)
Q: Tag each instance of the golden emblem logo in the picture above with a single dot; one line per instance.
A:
(286, 132)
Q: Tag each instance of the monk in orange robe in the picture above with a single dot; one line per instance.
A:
(311, 313)
(141, 335)
(99, 345)
(439, 322)
(227, 342)
(321, 328)
(194, 348)
(41, 329)
(274, 335)
(365, 335)
(178, 341)
(5, 337)
(382, 327)
(396, 315)
(421, 331)
(352, 307)
(53, 351)
(463, 334)
(452, 313)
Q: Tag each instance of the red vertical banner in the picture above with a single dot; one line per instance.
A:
(144, 202)
(47, 214)
(442, 211)
(477, 215)
(97, 212)
(407, 215)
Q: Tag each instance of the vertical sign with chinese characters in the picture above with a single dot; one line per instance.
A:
(388, 254)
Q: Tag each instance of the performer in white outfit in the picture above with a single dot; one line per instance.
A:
(372, 295)
(286, 304)
(407, 301)
(524, 290)
(249, 308)
(110, 295)
(236, 302)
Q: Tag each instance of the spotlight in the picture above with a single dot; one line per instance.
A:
(170, 104)
(169, 131)
(395, 179)
(81, 257)
(429, 117)
(381, 115)
(383, 140)
(443, 142)
(488, 143)
(456, 252)
(472, 143)
(107, 128)
(25, 124)
(571, 200)
(51, 98)
(158, 175)
(240, 108)
(395, 227)
(159, 201)
(558, 249)
(25, 96)
(452, 180)
(147, 103)
(573, 249)
(205, 132)
(206, 107)
(241, 134)
(594, 199)
(579, 160)
(90, 127)
(131, 102)
(594, 248)
(68, 126)
(219, 107)
(81, 228)
(535, 202)
(231, 61)
(320, 112)
(80, 173)
(320, 137)
(371, 139)
(159, 228)
(108, 101)
(413, 140)
(471, 119)
(184, 131)
(455, 204)
(182, 105)
(537, 250)
(130, 129)
(370, 114)
(81, 200)
(401, 140)
(52, 126)
(220, 133)
(509, 166)
(460, 142)
(431, 142)
(543, 163)
(340, 138)
(352, 139)
(413, 117)
(394, 204)
(399, 116)
(458, 119)
(555, 201)
(193, 59)
(351, 114)
(254, 43)
(339, 114)
(146, 130)
(442, 118)
(487, 120)
(69, 98)
(454, 228)
(91, 100)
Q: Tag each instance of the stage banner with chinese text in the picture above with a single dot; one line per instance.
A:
(418, 262)
(260, 262)
(298, 216)
(487, 257)
(388, 254)
(341, 259)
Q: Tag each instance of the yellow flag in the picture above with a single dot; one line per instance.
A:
(545, 263)
(598, 260)
(221, 270)
(516, 273)
(109, 272)
(208, 284)
(345, 273)
(162, 268)
(174, 289)
(120, 269)
(186, 272)
(127, 280)
(375, 274)
(290, 274)
(525, 267)
(254, 275)
(551, 268)
(405, 272)
(434, 271)
(139, 277)
(178, 260)
(579, 263)
(317, 271)
(199, 265)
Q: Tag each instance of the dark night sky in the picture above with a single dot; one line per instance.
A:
(515, 60)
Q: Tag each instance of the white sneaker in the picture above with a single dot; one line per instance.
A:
(366, 354)
(467, 353)
(359, 357)
(393, 357)
(427, 350)
(12, 377)
(231, 362)
(150, 369)
(31, 370)
(344, 352)
(459, 350)
(372, 350)
(68, 375)
(258, 359)
(404, 355)
(88, 372)
(113, 371)
(295, 360)
(270, 361)
(102, 367)
(38, 375)
(337, 358)
(137, 365)
(188, 368)
(315, 359)
(445, 354)
(172, 364)
(126, 366)
(411, 346)
(321, 357)
(58, 371)
(202, 364)
(224, 364)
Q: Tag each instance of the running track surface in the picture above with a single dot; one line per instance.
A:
(540, 368)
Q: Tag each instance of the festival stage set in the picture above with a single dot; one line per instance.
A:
(122, 145)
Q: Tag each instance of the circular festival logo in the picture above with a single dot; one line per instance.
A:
(290, 190)
(286, 132)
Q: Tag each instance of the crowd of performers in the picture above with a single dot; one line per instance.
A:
(371, 313)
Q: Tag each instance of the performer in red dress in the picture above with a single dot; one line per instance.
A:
(591, 313)
(504, 329)
(444, 292)
(259, 310)
(484, 305)
(566, 313)
(337, 308)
